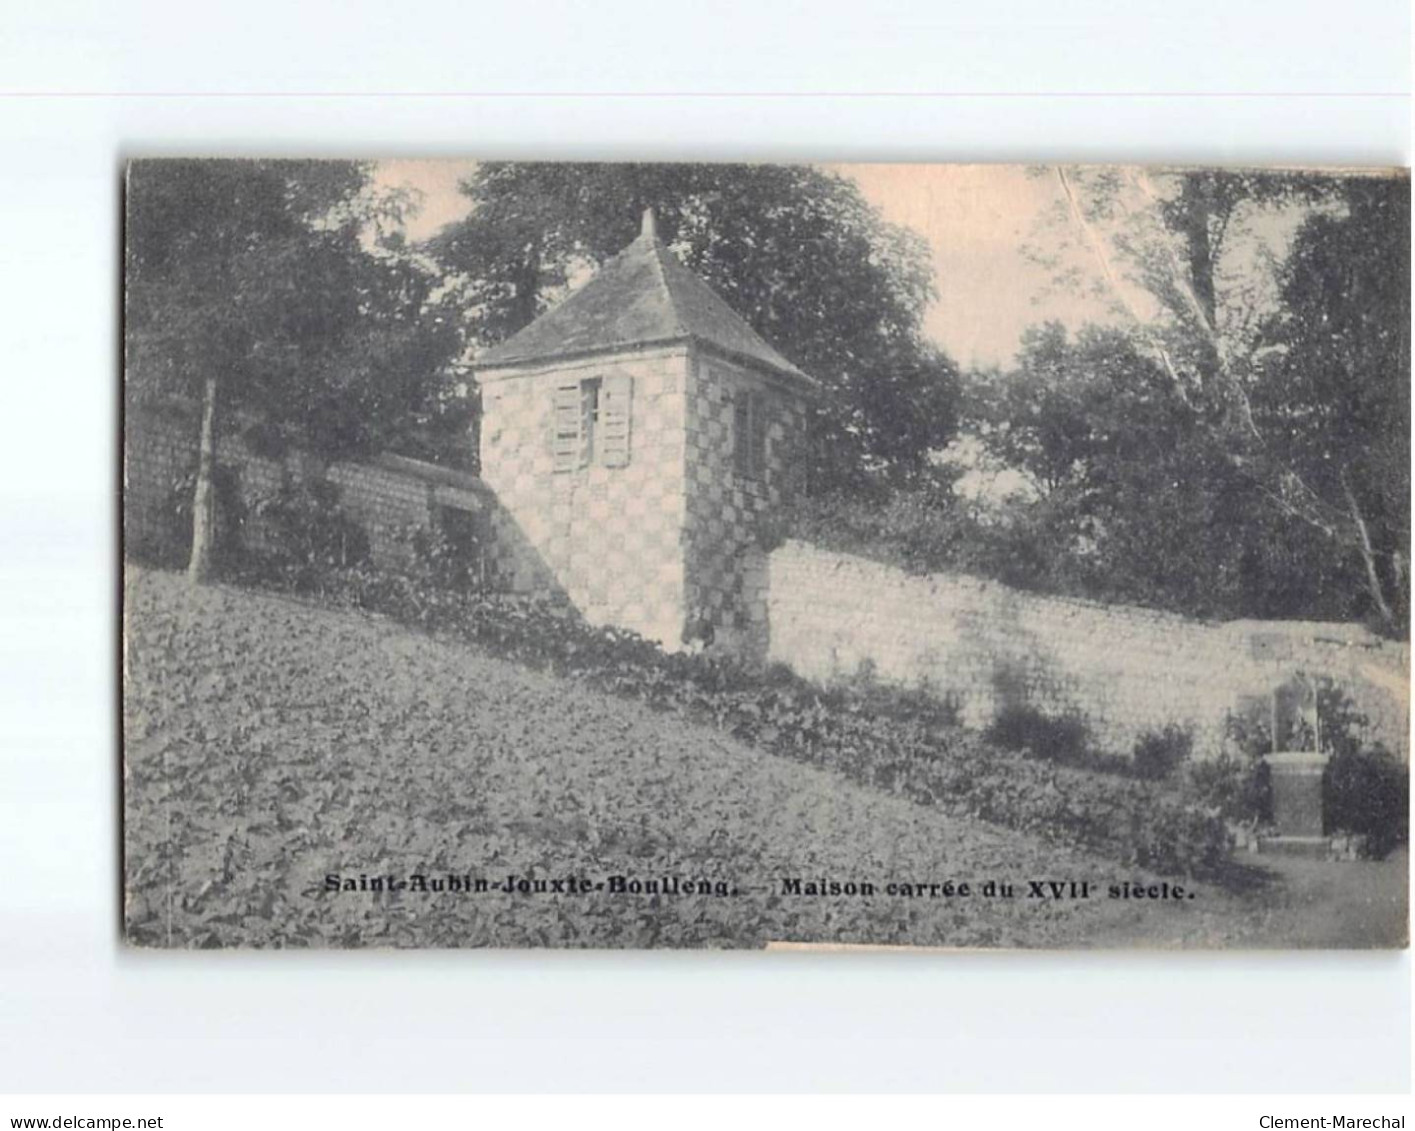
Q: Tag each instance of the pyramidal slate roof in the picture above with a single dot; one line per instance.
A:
(643, 295)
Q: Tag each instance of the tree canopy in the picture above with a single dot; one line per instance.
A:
(1238, 447)
(1331, 391)
(253, 292)
(797, 251)
(260, 274)
(1231, 456)
(1131, 498)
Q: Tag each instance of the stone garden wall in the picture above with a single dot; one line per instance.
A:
(387, 496)
(631, 546)
(1128, 670)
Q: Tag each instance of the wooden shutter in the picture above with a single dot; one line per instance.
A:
(565, 427)
(616, 402)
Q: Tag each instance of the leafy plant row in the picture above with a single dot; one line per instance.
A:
(905, 743)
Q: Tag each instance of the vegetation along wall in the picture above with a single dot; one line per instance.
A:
(827, 615)
(387, 497)
(1126, 669)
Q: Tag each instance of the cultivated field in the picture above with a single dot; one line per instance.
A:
(271, 744)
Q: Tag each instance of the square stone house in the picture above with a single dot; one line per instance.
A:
(636, 437)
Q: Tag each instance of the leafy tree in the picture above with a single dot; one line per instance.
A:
(1291, 382)
(1074, 411)
(1133, 501)
(1331, 393)
(1178, 254)
(253, 292)
(1136, 497)
(797, 251)
(1309, 401)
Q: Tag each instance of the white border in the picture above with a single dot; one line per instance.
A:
(1305, 81)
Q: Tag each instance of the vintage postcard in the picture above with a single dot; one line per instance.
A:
(737, 556)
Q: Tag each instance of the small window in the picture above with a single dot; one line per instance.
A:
(749, 435)
(589, 418)
(590, 422)
(615, 411)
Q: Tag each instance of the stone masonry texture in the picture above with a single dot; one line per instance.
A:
(727, 508)
(660, 545)
(388, 496)
(605, 538)
(1127, 670)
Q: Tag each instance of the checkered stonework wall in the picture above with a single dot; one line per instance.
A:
(744, 439)
(585, 458)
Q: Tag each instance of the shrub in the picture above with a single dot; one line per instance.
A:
(1065, 739)
(1158, 754)
(916, 531)
(929, 528)
(304, 536)
(447, 554)
(1238, 788)
(1367, 792)
(1249, 732)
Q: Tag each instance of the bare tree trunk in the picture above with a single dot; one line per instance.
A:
(1200, 252)
(1198, 245)
(204, 496)
(1368, 554)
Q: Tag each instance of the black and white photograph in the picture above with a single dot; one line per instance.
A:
(706, 565)
(751, 555)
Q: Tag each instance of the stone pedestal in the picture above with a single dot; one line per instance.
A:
(1297, 801)
(1297, 791)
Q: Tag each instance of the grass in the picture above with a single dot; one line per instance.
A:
(270, 743)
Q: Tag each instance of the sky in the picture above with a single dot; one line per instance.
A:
(978, 221)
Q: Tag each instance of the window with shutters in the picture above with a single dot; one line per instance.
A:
(749, 435)
(590, 422)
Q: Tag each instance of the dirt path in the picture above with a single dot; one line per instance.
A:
(1292, 903)
(1340, 903)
